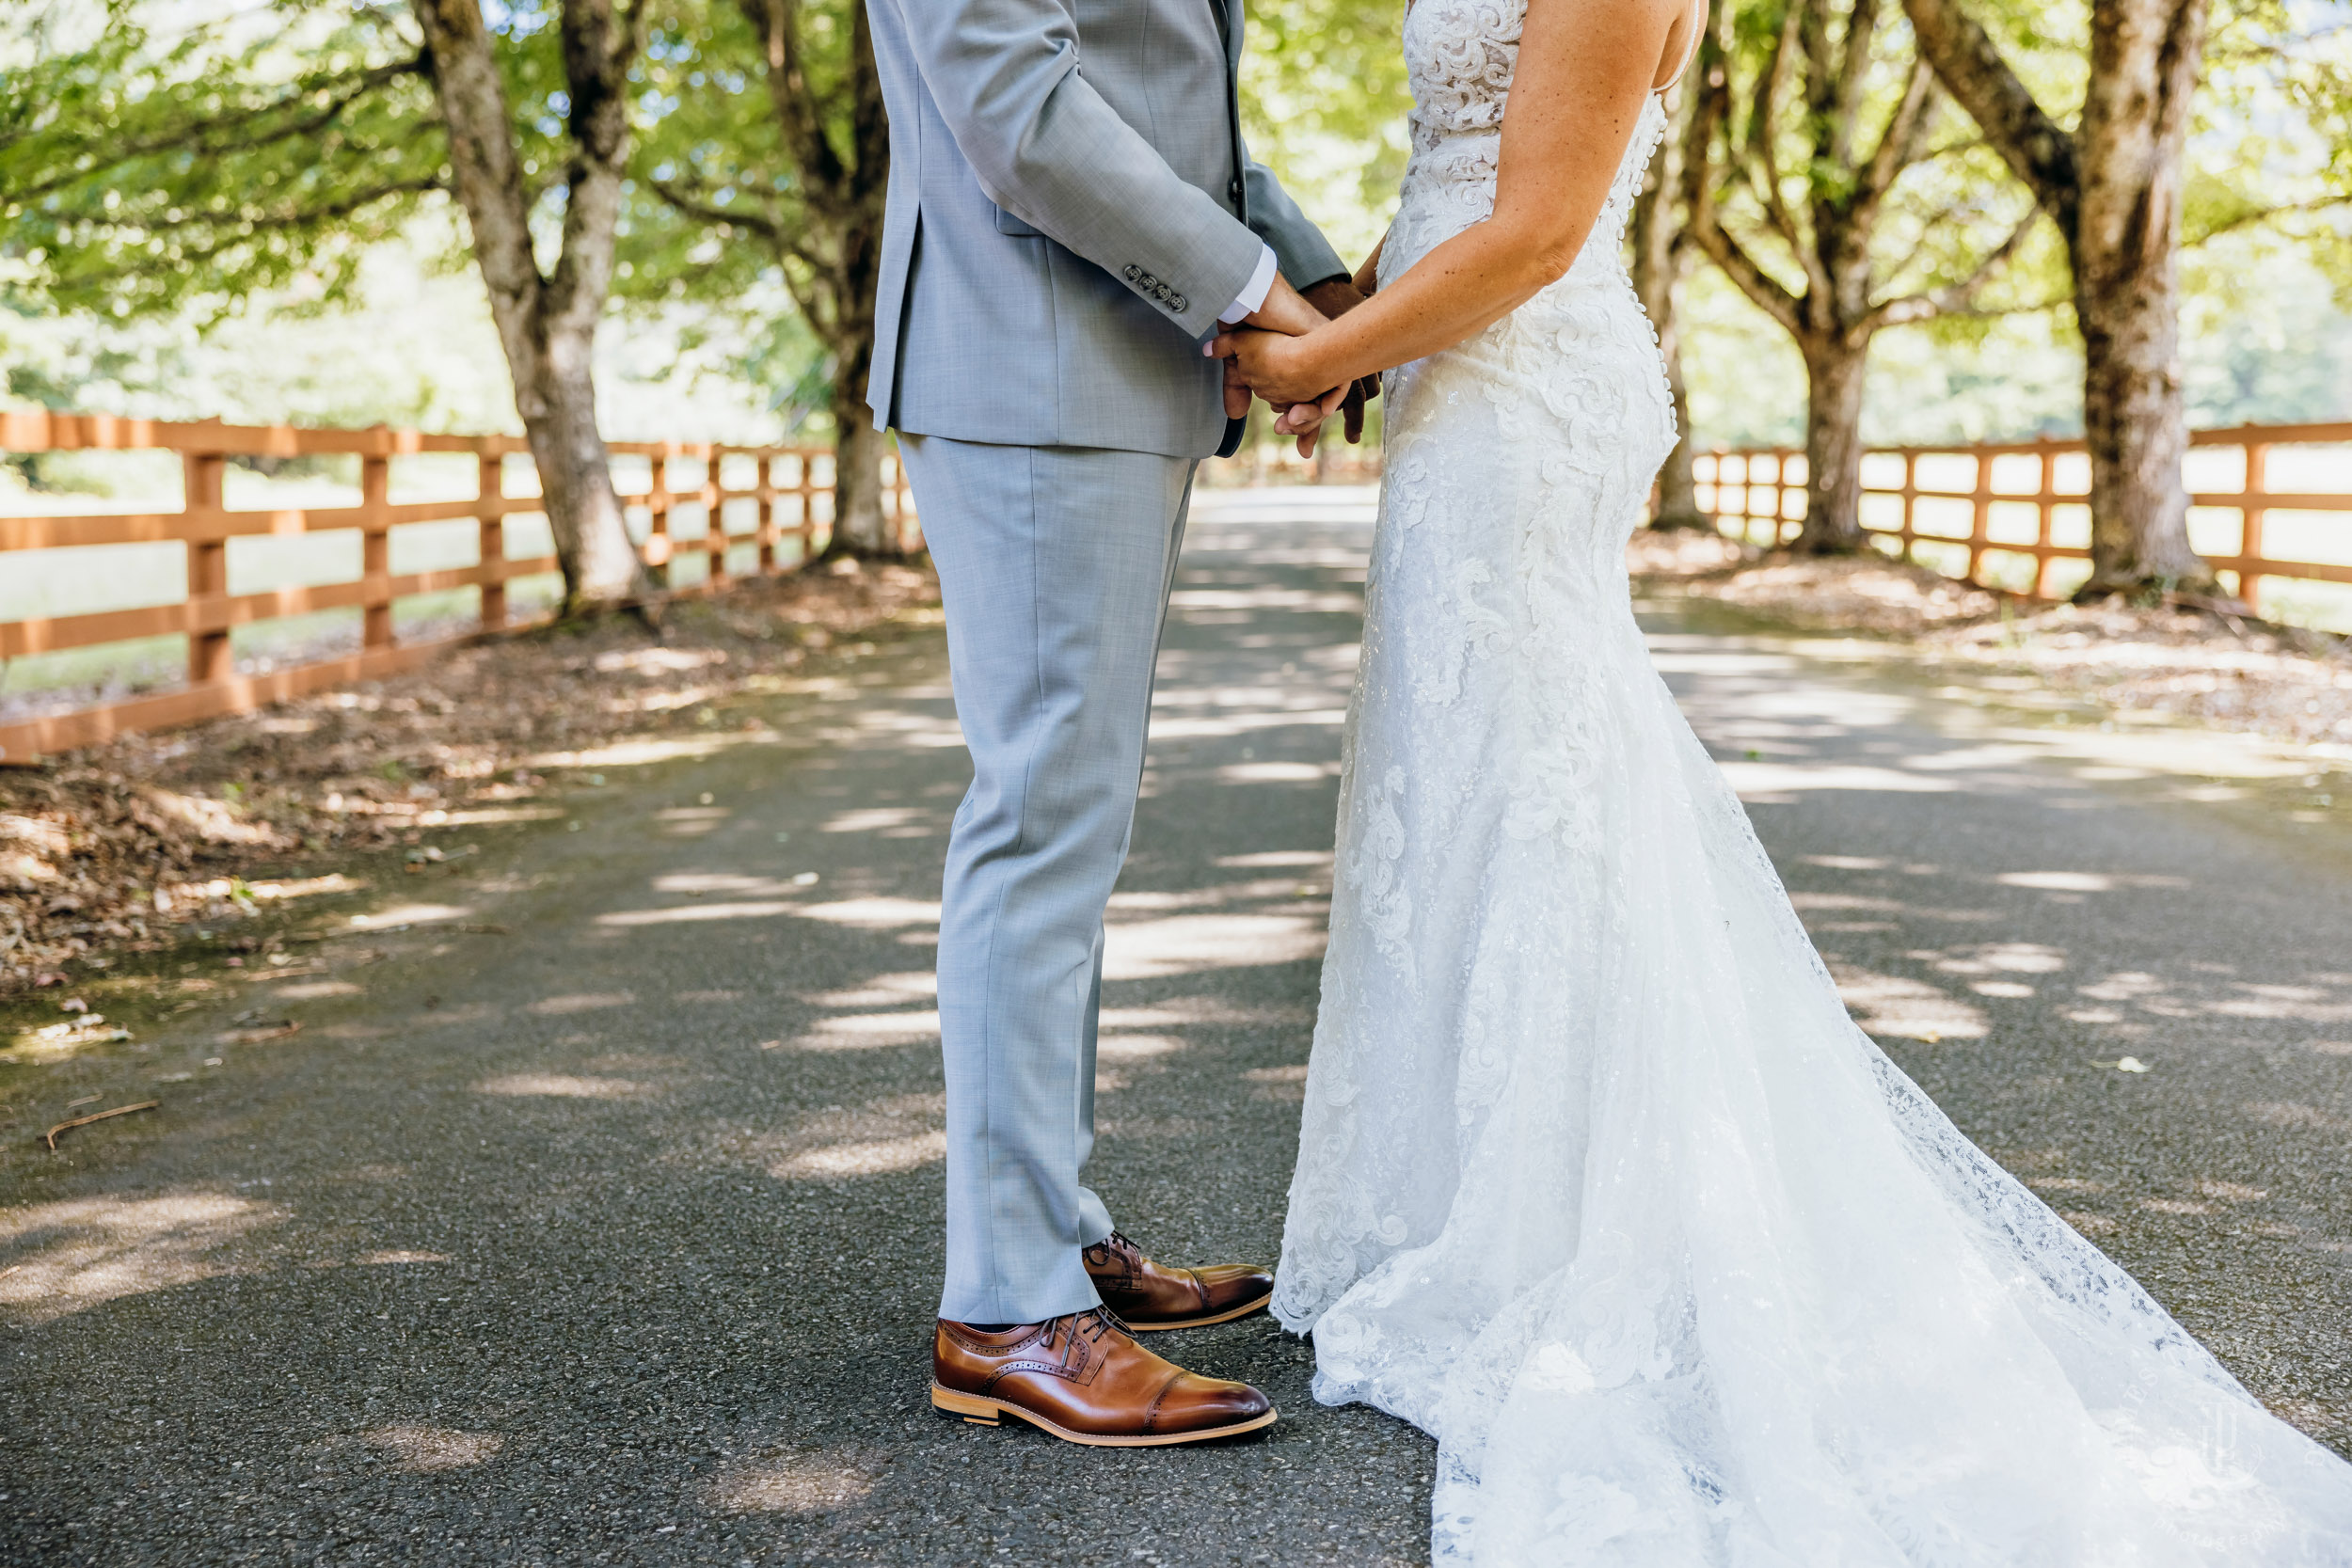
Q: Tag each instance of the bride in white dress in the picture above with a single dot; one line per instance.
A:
(1597, 1182)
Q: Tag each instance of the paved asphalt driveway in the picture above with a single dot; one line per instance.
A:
(593, 1215)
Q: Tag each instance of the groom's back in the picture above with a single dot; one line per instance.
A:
(985, 328)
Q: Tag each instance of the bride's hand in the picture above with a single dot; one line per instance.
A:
(1278, 368)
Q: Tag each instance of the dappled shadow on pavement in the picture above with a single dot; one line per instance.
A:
(608, 1229)
(594, 1214)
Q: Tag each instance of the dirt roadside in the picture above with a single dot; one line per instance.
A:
(212, 835)
(2161, 663)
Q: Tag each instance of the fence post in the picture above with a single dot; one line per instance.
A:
(491, 493)
(208, 659)
(658, 547)
(764, 495)
(715, 507)
(1911, 500)
(376, 553)
(807, 487)
(1784, 529)
(1980, 526)
(2044, 544)
(2249, 544)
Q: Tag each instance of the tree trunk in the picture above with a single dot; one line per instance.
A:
(859, 527)
(1836, 369)
(2138, 433)
(2114, 190)
(2125, 250)
(547, 324)
(600, 565)
(1661, 260)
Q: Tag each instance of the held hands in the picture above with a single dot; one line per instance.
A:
(1265, 356)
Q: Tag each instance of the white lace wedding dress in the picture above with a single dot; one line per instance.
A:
(1598, 1183)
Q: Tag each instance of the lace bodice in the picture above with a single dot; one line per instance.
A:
(1461, 57)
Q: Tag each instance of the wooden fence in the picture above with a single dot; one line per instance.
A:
(785, 489)
(2016, 515)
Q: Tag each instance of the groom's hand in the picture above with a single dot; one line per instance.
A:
(1284, 311)
(1333, 298)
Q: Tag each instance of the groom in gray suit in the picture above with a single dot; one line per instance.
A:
(1072, 214)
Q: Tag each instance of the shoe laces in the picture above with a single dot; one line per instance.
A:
(1092, 1327)
(1116, 1247)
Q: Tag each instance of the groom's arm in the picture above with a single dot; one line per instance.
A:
(1048, 149)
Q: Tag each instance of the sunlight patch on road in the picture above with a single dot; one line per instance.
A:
(1225, 726)
(60, 1258)
(1189, 943)
(1999, 958)
(560, 1086)
(483, 816)
(1271, 859)
(875, 1157)
(1136, 1048)
(1216, 896)
(431, 1450)
(641, 753)
(1277, 773)
(1305, 600)
(2312, 1004)
(700, 883)
(858, 1031)
(2083, 881)
(1974, 758)
(579, 1002)
(1286, 1085)
(317, 991)
(2058, 881)
(876, 915)
(882, 990)
(410, 914)
(1894, 1006)
(805, 1485)
(691, 915)
(1777, 782)
(889, 821)
(691, 821)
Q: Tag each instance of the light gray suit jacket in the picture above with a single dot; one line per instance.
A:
(1071, 206)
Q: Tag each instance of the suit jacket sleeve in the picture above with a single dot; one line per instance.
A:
(1048, 149)
(1306, 257)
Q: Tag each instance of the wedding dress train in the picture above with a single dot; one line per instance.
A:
(1597, 1182)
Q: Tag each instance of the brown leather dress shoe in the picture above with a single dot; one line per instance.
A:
(1148, 1297)
(1083, 1379)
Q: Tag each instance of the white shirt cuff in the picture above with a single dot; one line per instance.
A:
(1254, 292)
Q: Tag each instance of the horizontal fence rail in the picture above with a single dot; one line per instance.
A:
(2017, 515)
(790, 498)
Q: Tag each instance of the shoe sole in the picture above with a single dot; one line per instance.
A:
(981, 1411)
(1225, 1317)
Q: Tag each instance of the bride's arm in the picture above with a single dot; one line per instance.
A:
(1367, 278)
(1584, 69)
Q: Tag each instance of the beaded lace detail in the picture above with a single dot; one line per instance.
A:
(1597, 1182)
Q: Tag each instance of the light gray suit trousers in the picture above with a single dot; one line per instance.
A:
(1055, 564)
(1071, 207)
